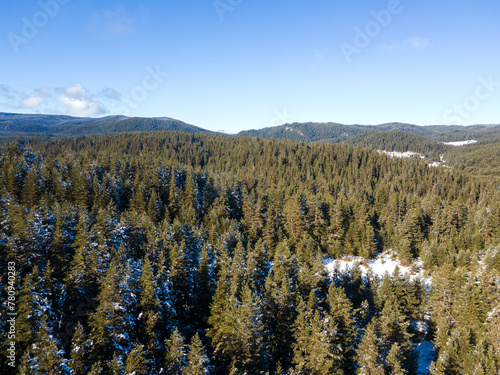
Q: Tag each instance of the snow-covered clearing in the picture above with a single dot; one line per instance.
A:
(397, 154)
(385, 262)
(461, 143)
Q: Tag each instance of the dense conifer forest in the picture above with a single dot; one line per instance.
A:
(177, 253)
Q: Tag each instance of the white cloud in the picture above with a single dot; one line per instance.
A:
(73, 99)
(36, 99)
(415, 44)
(33, 101)
(78, 102)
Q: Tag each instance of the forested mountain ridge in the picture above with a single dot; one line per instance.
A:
(309, 132)
(13, 124)
(333, 132)
(397, 140)
(175, 253)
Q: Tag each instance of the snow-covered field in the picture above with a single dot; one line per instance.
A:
(461, 143)
(385, 262)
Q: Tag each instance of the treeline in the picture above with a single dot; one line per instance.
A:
(482, 158)
(399, 141)
(60, 126)
(309, 132)
(180, 253)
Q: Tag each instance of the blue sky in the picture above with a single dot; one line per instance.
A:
(240, 64)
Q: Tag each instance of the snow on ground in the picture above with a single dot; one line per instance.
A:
(441, 162)
(425, 356)
(385, 262)
(289, 128)
(461, 143)
(397, 154)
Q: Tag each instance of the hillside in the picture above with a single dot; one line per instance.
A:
(334, 132)
(478, 159)
(397, 140)
(22, 125)
(309, 132)
(163, 249)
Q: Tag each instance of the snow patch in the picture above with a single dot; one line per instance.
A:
(289, 128)
(397, 154)
(461, 143)
(384, 263)
(441, 162)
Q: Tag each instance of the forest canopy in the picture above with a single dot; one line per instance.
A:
(170, 252)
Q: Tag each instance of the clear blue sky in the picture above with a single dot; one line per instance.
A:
(240, 64)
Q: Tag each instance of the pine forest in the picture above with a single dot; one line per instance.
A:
(193, 253)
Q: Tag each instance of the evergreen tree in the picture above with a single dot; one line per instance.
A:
(197, 361)
(341, 312)
(116, 365)
(149, 309)
(136, 364)
(237, 331)
(96, 369)
(30, 190)
(110, 325)
(175, 357)
(394, 361)
(368, 353)
(30, 310)
(46, 358)
(203, 290)
(79, 350)
(393, 329)
(281, 295)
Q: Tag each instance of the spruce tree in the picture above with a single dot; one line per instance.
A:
(30, 190)
(96, 369)
(175, 357)
(149, 309)
(394, 361)
(281, 295)
(79, 351)
(197, 360)
(368, 353)
(341, 312)
(136, 364)
(110, 325)
(46, 359)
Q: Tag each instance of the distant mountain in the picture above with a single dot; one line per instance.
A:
(14, 125)
(309, 132)
(406, 137)
(390, 137)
